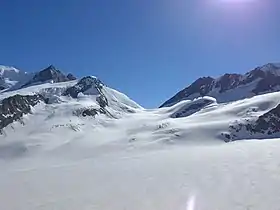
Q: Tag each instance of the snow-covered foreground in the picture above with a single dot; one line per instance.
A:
(136, 159)
(241, 175)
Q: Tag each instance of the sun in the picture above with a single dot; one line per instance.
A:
(236, 1)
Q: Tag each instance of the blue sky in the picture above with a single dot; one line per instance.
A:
(148, 49)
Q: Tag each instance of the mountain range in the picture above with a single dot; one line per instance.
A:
(75, 143)
(21, 92)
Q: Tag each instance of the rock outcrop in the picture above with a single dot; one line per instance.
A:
(13, 108)
(91, 86)
(71, 77)
(265, 126)
(89, 112)
(193, 107)
(85, 85)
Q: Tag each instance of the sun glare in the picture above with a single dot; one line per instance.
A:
(234, 4)
(237, 1)
(191, 203)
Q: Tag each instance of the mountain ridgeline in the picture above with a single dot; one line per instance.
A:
(232, 87)
(238, 106)
(50, 87)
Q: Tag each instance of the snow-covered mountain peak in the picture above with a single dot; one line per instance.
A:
(51, 68)
(11, 72)
(72, 98)
(8, 70)
(10, 76)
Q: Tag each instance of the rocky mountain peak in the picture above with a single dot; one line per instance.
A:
(51, 68)
(14, 107)
(273, 68)
(86, 84)
(71, 76)
(49, 74)
(230, 87)
(268, 69)
(201, 87)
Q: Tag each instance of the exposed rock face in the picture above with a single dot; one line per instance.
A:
(262, 80)
(88, 85)
(201, 87)
(71, 77)
(14, 107)
(85, 84)
(227, 82)
(89, 112)
(102, 101)
(193, 107)
(267, 125)
(50, 74)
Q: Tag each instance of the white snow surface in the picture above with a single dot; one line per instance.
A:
(145, 160)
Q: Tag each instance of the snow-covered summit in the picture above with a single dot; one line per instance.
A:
(10, 76)
(86, 97)
(7, 69)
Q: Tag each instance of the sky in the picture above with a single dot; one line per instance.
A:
(147, 49)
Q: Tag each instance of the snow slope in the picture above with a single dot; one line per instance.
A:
(135, 158)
